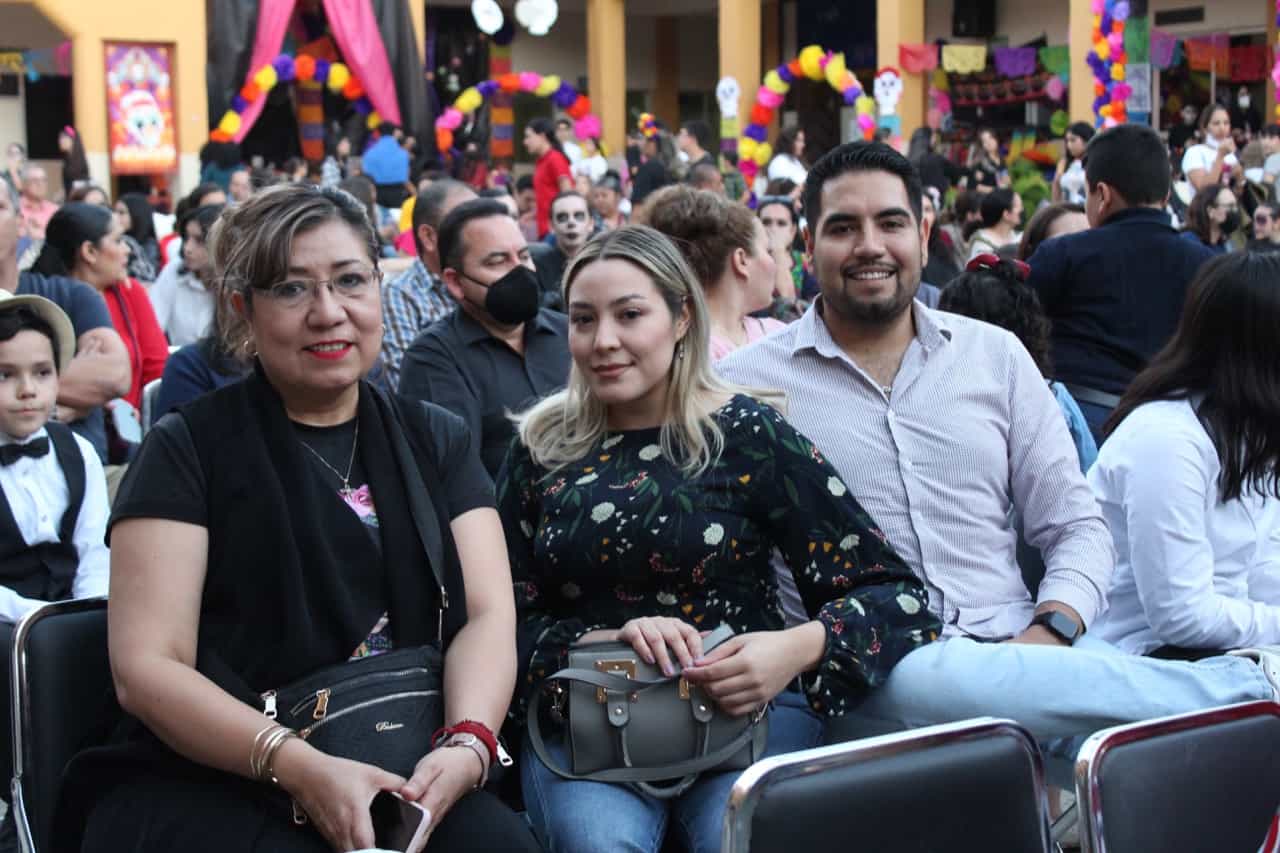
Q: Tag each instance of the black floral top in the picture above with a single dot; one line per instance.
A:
(623, 533)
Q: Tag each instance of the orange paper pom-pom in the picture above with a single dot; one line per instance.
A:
(1099, 90)
(760, 114)
(219, 135)
(794, 67)
(580, 108)
(509, 82)
(352, 89)
(250, 91)
(304, 67)
(444, 139)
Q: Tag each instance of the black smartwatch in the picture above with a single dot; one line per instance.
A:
(1060, 625)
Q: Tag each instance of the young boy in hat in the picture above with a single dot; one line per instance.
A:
(53, 499)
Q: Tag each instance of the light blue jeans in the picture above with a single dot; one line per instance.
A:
(570, 816)
(1054, 691)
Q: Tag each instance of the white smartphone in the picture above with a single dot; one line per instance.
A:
(399, 824)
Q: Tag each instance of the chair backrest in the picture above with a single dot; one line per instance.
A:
(976, 785)
(150, 392)
(1209, 780)
(63, 700)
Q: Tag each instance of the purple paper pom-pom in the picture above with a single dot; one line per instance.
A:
(322, 71)
(785, 73)
(238, 103)
(487, 87)
(564, 96)
(283, 64)
(851, 96)
(758, 132)
(362, 105)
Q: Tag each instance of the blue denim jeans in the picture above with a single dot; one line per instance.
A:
(570, 816)
(1055, 692)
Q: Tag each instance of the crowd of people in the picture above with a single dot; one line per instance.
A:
(930, 454)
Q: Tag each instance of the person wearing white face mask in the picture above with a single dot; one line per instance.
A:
(1214, 159)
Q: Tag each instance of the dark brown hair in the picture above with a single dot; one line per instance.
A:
(705, 226)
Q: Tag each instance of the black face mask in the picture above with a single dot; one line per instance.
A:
(1231, 223)
(514, 298)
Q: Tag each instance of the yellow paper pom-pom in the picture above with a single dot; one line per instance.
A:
(747, 148)
(470, 100)
(811, 62)
(373, 120)
(339, 74)
(763, 154)
(866, 104)
(1103, 49)
(1117, 73)
(1278, 111)
(774, 83)
(230, 123)
(1105, 110)
(266, 78)
(835, 71)
(548, 85)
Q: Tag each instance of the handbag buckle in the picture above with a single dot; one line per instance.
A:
(625, 668)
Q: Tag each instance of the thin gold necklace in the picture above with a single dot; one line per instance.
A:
(346, 491)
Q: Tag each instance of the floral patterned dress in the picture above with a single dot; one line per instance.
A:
(623, 533)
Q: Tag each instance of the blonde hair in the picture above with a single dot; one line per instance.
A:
(566, 426)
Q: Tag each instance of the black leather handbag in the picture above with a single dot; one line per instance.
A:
(380, 710)
(628, 723)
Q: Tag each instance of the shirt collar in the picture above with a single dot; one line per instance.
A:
(5, 438)
(470, 331)
(932, 331)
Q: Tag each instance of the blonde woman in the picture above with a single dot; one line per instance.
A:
(641, 505)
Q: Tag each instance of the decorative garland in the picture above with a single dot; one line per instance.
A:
(285, 69)
(586, 125)
(1275, 71)
(813, 62)
(1107, 59)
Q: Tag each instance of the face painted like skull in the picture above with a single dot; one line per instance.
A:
(888, 90)
(142, 118)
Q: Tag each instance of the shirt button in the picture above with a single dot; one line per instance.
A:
(906, 463)
(889, 414)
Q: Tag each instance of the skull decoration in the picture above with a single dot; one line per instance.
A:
(888, 89)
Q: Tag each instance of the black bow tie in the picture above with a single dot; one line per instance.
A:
(11, 453)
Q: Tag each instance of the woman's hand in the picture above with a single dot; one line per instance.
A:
(748, 670)
(443, 777)
(334, 792)
(658, 638)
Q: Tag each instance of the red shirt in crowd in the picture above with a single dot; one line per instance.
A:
(135, 320)
(551, 167)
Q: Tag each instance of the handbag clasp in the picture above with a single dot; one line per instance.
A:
(625, 668)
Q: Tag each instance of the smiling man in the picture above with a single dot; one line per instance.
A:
(945, 431)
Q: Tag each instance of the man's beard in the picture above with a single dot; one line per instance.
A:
(880, 312)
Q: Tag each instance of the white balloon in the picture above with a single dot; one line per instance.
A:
(525, 12)
(488, 15)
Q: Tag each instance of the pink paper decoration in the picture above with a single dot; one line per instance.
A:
(587, 127)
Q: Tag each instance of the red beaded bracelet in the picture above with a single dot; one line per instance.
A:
(480, 730)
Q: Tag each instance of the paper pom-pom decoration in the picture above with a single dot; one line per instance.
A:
(746, 148)
(647, 125)
(760, 114)
(588, 127)
(529, 81)
(285, 68)
(250, 91)
(444, 139)
(509, 82)
(230, 123)
(580, 107)
(774, 83)
(304, 67)
(266, 78)
(339, 74)
(548, 85)
(450, 119)
(373, 120)
(769, 98)
(835, 71)
(763, 154)
(354, 89)
(811, 62)
(469, 100)
(866, 122)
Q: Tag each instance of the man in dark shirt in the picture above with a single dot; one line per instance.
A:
(499, 352)
(1115, 293)
(694, 139)
(100, 370)
(571, 226)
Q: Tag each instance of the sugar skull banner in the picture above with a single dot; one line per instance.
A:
(142, 137)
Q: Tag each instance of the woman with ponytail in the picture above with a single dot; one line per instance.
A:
(85, 241)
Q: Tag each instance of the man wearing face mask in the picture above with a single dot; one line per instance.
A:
(571, 227)
(1244, 114)
(500, 351)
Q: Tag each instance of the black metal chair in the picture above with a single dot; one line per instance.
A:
(1208, 780)
(968, 787)
(61, 700)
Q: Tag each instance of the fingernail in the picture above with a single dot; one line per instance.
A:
(648, 659)
(669, 670)
(698, 660)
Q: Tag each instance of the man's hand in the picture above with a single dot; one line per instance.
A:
(1039, 635)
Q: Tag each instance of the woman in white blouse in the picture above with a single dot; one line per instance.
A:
(1189, 477)
(1209, 161)
(788, 157)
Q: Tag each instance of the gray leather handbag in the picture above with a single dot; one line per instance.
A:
(628, 723)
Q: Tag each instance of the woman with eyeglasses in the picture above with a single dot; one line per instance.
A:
(286, 524)
(1266, 228)
(1213, 217)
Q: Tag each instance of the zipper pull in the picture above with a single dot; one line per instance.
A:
(322, 704)
(269, 704)
(503, 757)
